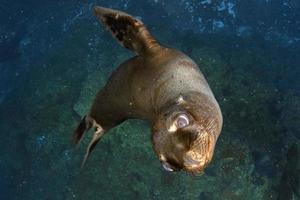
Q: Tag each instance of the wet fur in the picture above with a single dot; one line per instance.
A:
(148, 86)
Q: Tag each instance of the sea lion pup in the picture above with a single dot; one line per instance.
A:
(160, 85)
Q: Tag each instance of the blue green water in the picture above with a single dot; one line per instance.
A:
(55, 56)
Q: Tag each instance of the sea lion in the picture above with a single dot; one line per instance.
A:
(161, 85)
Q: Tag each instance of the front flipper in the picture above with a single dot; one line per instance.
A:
(96, 137)
(83, 127)
(129, 31)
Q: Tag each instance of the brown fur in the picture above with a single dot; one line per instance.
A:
(157, 85)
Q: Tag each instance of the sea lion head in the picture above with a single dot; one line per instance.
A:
(185, 134)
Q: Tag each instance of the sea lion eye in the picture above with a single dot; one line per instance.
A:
(182, 121)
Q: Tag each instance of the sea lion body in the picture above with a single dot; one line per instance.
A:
(141, 86)
(163, 86)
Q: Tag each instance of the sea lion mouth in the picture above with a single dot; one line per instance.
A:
(190, 162)
(194, 166)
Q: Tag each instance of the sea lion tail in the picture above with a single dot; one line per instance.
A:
(129, 31)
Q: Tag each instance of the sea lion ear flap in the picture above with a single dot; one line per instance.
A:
(129, 31)
(180, 100)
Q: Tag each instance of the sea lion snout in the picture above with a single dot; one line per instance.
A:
(182, 141)
(180, 155)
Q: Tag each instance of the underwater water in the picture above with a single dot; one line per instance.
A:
(55, 56)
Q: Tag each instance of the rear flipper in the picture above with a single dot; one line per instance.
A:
(84, 126)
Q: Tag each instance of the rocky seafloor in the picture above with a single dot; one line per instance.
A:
(257, 155)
